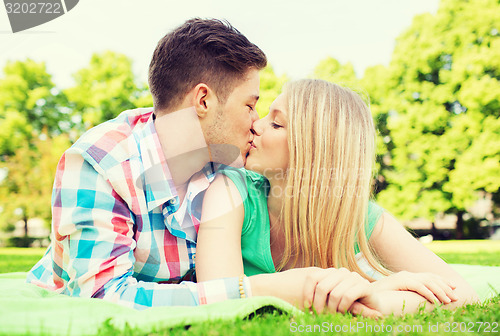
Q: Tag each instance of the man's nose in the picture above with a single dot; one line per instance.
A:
(254, 116)
(257, 127)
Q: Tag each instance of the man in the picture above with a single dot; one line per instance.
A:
(127, 195)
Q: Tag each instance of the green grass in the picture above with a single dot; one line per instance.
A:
(19, 259)
(473, 252)
(472, 317)
(437, 322)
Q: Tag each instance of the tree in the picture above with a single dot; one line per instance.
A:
(443, 107)
(15, 132)
(332, 70)
(105, 88)
(33, 115)
(26, 190)
(270, 88)
(376, 83)
(29, 103)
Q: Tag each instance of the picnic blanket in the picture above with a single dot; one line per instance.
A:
(28, 309)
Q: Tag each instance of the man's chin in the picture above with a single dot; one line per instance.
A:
(248, 163)
(239, 162)
(228, 155)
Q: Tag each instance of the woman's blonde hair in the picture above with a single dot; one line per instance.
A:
(331, 139)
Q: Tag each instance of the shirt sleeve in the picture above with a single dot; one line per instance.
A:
(373, 215)
(93, 254)
(238, 177)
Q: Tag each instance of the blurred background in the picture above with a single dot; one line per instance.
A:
(430, 68)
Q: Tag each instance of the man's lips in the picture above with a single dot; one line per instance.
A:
(251, 146)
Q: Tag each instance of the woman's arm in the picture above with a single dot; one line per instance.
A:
(218, 255)
(218, 250)
(399, 251)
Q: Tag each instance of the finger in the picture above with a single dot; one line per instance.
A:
(440, 278)
(323, 290)
(358, 308)
(421, 288)
(446, 287)
(449, 283)
(343, 288)
(351, 295)
(452, 295)
(437, 288)
(310, 287)
(308, 292)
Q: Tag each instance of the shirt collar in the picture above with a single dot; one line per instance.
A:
(157, 178)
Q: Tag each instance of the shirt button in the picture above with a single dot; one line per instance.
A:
(173, 201)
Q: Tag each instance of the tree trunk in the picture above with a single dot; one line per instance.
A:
(459, 232)
(25, 219)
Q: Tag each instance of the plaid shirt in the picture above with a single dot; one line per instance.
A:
(117, 226)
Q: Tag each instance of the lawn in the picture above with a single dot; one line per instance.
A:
(19, 259)
(481, 319)
(473, 252)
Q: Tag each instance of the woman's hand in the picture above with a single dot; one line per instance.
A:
(398, 250)
(404, 292)
(316, 289)
(337, 290)
(432, 287)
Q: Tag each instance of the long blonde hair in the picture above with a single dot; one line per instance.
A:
(331, 139)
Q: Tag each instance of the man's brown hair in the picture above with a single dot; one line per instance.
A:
(206, 51)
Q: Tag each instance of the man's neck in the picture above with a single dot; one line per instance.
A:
(183, 145)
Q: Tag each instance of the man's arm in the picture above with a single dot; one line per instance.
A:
(94, 245)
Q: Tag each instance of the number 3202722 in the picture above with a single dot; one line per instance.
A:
(33, 8)
(471, 327)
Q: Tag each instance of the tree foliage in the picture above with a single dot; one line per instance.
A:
(270, 87)
(443, 106)
(332, 70)
(37, 120)
(26, 190)
(104, 89)
(29, 104)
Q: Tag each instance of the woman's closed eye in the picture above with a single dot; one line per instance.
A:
(275, 125)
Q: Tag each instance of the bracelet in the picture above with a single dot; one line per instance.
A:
(242, 288)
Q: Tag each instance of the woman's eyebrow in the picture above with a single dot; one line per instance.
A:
(278, 112)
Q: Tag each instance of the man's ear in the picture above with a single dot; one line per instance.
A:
(204, 100)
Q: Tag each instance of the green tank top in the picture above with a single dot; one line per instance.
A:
(255, 232)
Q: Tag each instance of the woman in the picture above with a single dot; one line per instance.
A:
(316, 149)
